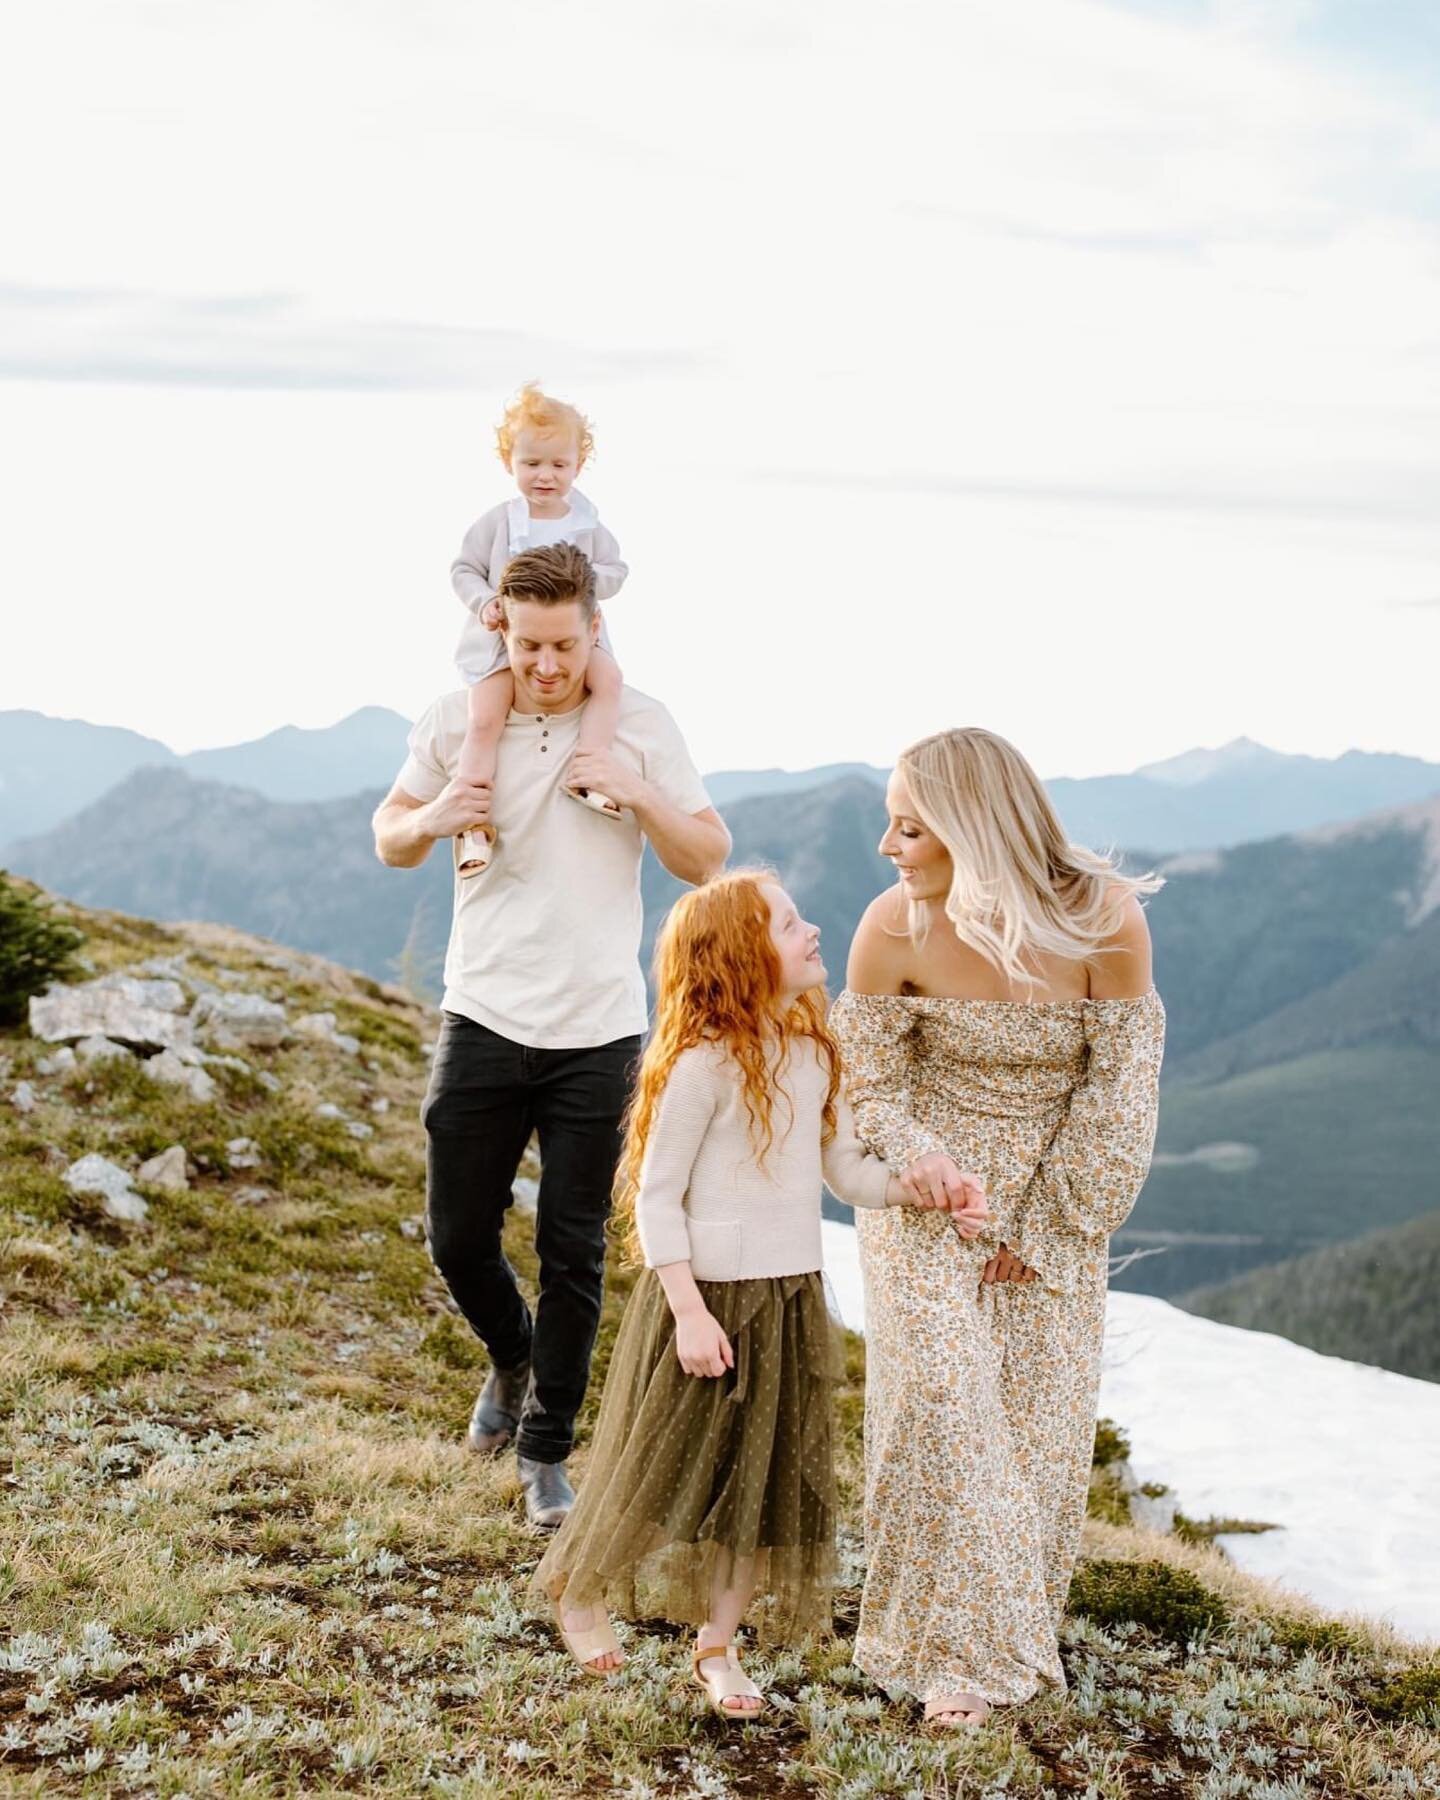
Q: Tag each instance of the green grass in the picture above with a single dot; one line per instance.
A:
(243, 1552)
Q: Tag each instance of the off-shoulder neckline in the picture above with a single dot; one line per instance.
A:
(1034, 1006)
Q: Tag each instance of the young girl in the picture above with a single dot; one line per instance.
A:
(544, 443)
(711, 1476)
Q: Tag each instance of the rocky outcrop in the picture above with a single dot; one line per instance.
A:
(147, 1015)
(238, 1021)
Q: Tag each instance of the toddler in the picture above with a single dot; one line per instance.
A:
(544, 443)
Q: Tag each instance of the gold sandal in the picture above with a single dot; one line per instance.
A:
(729, 1682)
(957, 1703)
(596, 801)
(588, 1645)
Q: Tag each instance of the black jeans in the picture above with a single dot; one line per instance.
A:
(486, 1096)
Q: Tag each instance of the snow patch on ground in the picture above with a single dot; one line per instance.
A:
(1241, 1424)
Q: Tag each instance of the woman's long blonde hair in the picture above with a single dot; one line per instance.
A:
(1019, 889)
(717, 981)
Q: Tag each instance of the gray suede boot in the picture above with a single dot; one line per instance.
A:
(497, 1412)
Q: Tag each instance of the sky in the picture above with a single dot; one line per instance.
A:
(1067, 367)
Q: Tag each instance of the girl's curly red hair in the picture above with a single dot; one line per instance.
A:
(717, 981)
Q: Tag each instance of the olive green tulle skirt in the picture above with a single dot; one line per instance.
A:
(694, 1481)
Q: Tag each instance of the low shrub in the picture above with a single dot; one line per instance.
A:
(1318, 1637)
(1170, 1602)
(1413, 1695)
(1111, 1444)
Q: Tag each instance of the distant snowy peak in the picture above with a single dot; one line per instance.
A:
(1192, 767)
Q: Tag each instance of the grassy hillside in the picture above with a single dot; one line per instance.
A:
(1326, 1147)
(1392, 998)
(1244, 932)
(242, 1551)
(1372, 1300)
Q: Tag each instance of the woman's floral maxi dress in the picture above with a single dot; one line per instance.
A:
(980, 1400)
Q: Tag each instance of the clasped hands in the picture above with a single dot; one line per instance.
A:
(937, 1182)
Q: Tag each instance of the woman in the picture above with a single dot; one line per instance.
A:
(999, 1008)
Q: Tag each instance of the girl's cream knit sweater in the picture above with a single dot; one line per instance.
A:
(705, 1199)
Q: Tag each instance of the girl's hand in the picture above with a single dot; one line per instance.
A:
(492, 615)
(936, 1181)
(702, 1346)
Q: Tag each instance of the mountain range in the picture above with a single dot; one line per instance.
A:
(51, 769)
(1301, 975)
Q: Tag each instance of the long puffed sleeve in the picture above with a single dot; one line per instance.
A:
(852, 1173)
(610, 571)
(876, 1033)
(1092, 1172)
(474, 573)
(682, 1117)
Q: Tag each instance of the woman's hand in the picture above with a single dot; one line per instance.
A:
(701, 1345)
(1006, 1266)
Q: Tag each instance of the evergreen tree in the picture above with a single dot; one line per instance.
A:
(35, 948)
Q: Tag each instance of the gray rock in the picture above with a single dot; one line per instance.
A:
(327, 1109)
(167, 1067)
(242, 1153)
(167, 1171)
(380, 1105)
(321, 1026)
(99, 1049)
(413, 1227)
(132, 1012)
(23, 1098)
(251, 1196)
(233, 1021)
(358, 1129)
(163, 996)
(526, 1192)
(59, 1064)
(97, 1175)
(171, 968)
(271, 1083)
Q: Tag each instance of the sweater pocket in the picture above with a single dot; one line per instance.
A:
(714, 1249)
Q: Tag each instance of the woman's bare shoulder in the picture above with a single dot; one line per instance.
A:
(1123, 969)
(881, 951)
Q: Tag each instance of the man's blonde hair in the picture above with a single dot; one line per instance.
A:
(532, 410)
(1019, 889)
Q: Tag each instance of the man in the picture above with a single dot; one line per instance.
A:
(544, 1002)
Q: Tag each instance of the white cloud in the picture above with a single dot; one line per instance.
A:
(1134, 315)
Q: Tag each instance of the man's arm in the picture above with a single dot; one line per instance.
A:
(405, 827)
(692, 846)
